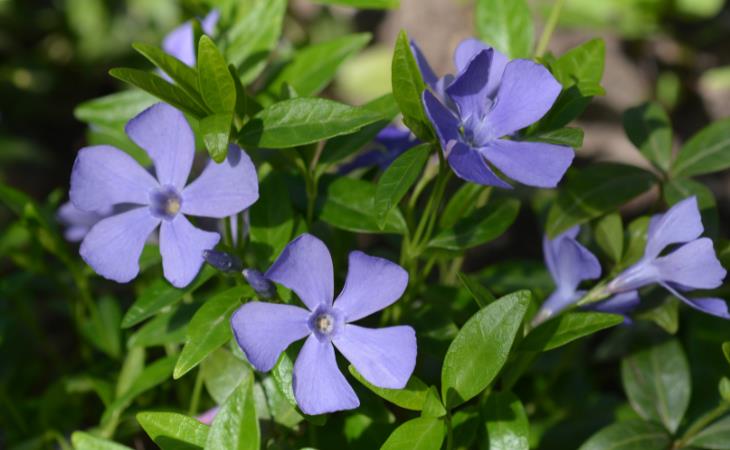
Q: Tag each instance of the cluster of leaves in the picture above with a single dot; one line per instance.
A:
(485, 378)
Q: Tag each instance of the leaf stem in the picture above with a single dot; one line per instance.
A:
(701, 423)
(195, 398)
(550, 25)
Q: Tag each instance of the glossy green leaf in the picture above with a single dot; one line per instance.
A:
(408, 86)
(236, 426)
(432, 405)
(313, 67)
(251, 38)
(706, 152)
(649, 129)
(210, 328)
(635, 238)
(412, 396)
(301, 121)
(174, 431)
(596, 190)
(364, 4)
(222, 372)
(215, 81)
(506, 25)
(715, 437)
(272, 218)
(349, 204)
(629, 435)
(566, 328)
(160, 88)
(166, 328)
(657, 382)
(159, 295)
(480, 293)
(86, 441)
(480, 349)
(506, 424)
(609, 233)
(484, 225)
(582, 67)
(572, 137)
(398, 179)
(463, 203)
(216, 131)
(114, 109)
(423, 433)
(183, 75)
(666, 314)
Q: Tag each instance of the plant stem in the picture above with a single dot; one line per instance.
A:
(197, 388)
(450, 432)
(550, 25)
(701, 423)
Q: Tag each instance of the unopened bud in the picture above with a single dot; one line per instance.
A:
(225, 262)
(263, 287)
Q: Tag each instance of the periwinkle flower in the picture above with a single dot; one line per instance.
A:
(208, 416)
(385, 357)
(693, 265)
(489, 100)
(179, 42)
(104, 176)
(391, 142)
(78, 222)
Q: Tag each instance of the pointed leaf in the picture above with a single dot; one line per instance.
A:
(423, 433)
(173, 431)
(236, 426)
(398, 178)
(162, 89)
(506, 25)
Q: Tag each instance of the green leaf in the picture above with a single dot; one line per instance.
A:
(716, 436)
(657, 382)
(215, 81)
(706, 152)
(635, 237)
(86, 441)
(251, 39)
(209, 328)
(480, 293)
(506, 424)
(185, 76)
(166, 328)
(156, 373)
(363, 4)
(408, 86)
(160, 88)
(301, 121)
(566, 328)
(313, 67)
(481, 347)
(582, 67)
(609, 233)
(484, 225)
(726, 351)
(506, 25)
(596, 190)
(102, 330)
(629, 435)
(571, 137)
(236, 426)
(432, 406)
(159, 295)
(412, 396)
(423, 433)
(398, 178)
(649, 129)
(173, 431)
(216, 130)
(463, 203)
(349, 204)
(114, 109)
(222, 372)
(272, 218)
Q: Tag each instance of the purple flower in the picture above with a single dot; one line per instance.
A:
(392, 141)
(208, 416)
(179, 42)
(104, 176)
(693, 265)
(489, 99)
(385, 357)
(77, 222)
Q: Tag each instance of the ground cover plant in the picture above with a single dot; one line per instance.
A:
(257, 243)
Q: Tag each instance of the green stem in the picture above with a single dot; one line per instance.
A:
(197, 389)
(550, 25)
(450, 432)
(701, 423)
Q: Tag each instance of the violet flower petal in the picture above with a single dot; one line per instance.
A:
(429, 77)
(468, 164)
(469, 88)
(319, 386)
(443, 120)
(223, 189)
(618, 304)
(113, 246)
(551, 247)
(179, 43)
(210, 21)
(372, 284)
(694, 265)
(103, 176)
(265, 330)
(78, 222)
(681, 223)
(532, 163)
(385, 357)
(527, 91)
(182, 246)
(305, 266)
(208, 416)
(713, 306)
(469, 48)
(166, 136)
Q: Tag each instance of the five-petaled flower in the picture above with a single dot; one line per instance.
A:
(385, 357)
(489, 99)
(104, 176)
(693, 265)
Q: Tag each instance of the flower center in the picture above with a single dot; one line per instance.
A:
(165, 202)
(324, 323)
